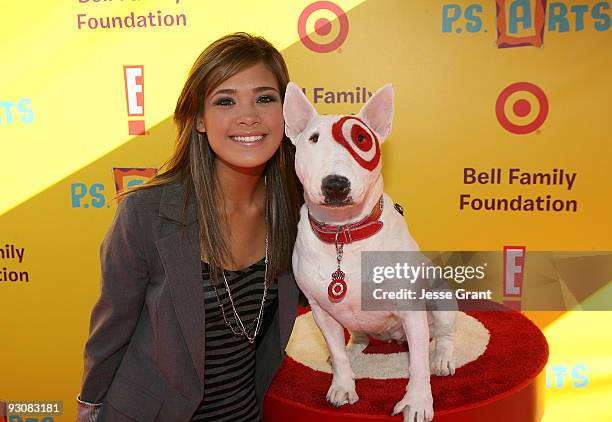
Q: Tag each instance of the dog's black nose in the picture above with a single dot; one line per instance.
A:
(335, 187)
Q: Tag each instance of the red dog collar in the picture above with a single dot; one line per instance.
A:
(352, 232)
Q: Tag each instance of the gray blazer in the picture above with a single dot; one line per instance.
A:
(144, 358)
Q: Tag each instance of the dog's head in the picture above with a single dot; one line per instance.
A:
(337, 157)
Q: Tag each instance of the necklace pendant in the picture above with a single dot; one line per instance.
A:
(337, 287)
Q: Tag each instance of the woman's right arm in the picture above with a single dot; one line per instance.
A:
(124, 278)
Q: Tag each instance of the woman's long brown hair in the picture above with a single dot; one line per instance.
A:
(193, 161)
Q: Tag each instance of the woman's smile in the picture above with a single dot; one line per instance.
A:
(250, 140)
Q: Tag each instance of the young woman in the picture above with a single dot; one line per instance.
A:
(197, 299)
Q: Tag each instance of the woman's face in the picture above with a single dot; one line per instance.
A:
(243, 118)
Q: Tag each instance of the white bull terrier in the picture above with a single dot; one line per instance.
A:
(346, 212)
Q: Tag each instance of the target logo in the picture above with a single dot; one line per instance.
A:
(521, 108)
(382, 358)
(360, 141)
(323, 26)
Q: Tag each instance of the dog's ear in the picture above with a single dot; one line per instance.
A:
(297, 111)
(378, 111)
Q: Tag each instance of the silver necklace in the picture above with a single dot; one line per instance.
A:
(242, 331)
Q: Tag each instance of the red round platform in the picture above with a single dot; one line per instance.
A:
(506, 383)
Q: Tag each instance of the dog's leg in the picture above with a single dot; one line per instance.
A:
(357, 343)
(417, 402)
(342, 389)
(443, 333)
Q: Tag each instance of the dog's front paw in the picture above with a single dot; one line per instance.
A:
(417, 407)
(342, 392)
(442, 362)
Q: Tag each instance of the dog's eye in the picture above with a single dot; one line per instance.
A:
(314, 138)
(360, 138)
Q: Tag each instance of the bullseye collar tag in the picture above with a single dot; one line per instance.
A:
(339, 235)
(337, 287)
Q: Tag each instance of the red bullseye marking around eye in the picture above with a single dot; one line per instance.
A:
(365, 145)
(361, 138)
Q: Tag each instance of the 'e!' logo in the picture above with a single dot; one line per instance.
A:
(514, 269)
(326, 37)
(133, 77)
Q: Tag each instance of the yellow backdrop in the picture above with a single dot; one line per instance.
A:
(478, 84)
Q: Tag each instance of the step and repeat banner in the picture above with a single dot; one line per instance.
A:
(500, 142)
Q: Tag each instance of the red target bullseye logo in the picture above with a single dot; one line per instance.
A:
(336, 290)
(521, 108)
(360, 141)
(323, 27)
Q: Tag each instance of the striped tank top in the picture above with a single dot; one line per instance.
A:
(229, 365)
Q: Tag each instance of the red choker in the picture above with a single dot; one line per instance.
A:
(352, 232)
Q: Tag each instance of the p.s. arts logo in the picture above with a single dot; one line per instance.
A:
(521, 108)
(16, 111)
(523, 22)
(86, 195)
(126, 178)
(323, 26)
(567, 376)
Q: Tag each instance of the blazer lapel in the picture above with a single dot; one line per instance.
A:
(288, 295)
(181, 257)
